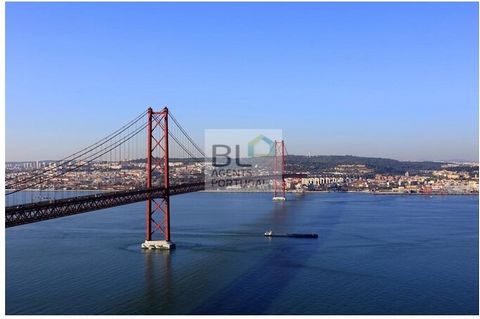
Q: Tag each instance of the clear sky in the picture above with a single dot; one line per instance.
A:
(396, 80)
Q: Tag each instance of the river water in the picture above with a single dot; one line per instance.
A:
(376, 254)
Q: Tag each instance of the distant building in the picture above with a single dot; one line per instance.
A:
(317, 181)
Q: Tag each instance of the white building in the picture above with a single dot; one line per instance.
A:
(316, 181)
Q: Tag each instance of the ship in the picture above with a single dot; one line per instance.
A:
(271, 234)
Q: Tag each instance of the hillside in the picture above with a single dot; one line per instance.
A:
(325, 163)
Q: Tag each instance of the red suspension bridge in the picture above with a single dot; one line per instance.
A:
(174, 165)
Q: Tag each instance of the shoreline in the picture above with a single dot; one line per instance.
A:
(251, 191)
(347, 192)
(63, 190)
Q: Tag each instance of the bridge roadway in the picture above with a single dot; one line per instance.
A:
(44, 210)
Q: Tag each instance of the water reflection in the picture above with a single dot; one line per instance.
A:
(158, 279)
(261, 288)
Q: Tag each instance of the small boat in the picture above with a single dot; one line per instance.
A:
(271, 234)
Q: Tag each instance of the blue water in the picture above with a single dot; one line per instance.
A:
(374, 255)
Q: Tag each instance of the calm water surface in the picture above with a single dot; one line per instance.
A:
(374, 255)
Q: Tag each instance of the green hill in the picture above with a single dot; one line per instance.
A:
(325, 163)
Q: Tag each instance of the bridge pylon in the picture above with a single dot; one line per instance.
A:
(158, 209)
(279, 171)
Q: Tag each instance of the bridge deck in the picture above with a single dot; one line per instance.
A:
(44, 210)
(35, 212)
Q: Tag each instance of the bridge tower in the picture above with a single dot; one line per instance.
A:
(279, 171)
(158, 209)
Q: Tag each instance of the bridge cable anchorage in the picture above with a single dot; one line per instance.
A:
(76, 156)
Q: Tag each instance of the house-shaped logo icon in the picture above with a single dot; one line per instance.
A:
(261, 146)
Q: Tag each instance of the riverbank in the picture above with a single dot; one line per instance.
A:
(256, 191)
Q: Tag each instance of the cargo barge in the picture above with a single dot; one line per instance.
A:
(271, 234)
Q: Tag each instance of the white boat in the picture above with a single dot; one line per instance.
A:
(278, 198)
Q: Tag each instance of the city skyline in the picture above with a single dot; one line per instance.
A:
(379, 80)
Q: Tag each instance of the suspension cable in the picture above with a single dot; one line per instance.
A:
(115, 145)
(186, 135)
(83, 151)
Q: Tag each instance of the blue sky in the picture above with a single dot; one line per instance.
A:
(397, 80)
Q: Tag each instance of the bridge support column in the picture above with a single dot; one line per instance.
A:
(158, 209)
(279, 171)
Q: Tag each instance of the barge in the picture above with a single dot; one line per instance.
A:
(271, 234)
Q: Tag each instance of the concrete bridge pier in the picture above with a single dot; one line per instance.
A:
(158, 244)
